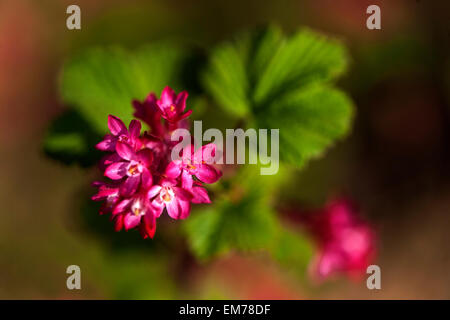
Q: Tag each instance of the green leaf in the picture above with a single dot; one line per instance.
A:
(226, 80)
(304, 58)
(241, 219)
(284, 83)
(309, 119)
(244, 220)
(103, 81)
(245, 225)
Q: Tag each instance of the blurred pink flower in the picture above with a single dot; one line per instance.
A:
(346, 243)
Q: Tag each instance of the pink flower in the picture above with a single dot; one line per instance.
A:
(168, 195)
(172, 105)
(148, 111)
(133, 166)
(159, 147)
(346, 243)
(136, 211)
(196, 164)
(119, 132)
(199, 194)
(109, 193)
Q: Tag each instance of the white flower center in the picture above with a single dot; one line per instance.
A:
(167, 194)
(137, 208)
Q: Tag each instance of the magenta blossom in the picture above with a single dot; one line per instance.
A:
(172, 105)
(134, 161)
(133, 166)
(136, 211)
(168, 195)
(199, 194)
(196, 164)
(120, 133)
(109, 193)
(148, 111)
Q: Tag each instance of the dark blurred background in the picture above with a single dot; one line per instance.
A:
(395, 164)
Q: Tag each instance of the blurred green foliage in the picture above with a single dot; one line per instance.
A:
(103, 81)
(70, 138)
(244, 219)
(262, 79)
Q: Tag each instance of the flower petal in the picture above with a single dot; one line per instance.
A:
(173, 169)
(186, 180)
(108, 159)
(145, 156)
(185, 209)
(209, 153)
(134, 129)
(200, 195)
(116, 126)
(121, 206)
(103, 192)
(168, 97)
(182, 194)
(173, 209)
(125, 151)
(130, 185)
(148, 225)
(153, 191)
(107, 144)
(180, 101)
(131, 220)
(185, 115)
(179, 209)
(116, 170)
(187, 154)
(157, 207)
(205, 154)
(118, 222)
(168, 182)
(151, 101)
(146, 178)
(207, 173)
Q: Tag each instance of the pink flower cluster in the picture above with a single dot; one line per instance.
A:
(346, 243)
(145, 180)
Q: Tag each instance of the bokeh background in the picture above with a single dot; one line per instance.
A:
(395, 163)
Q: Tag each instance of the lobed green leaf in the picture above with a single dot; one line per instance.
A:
(284, 83)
